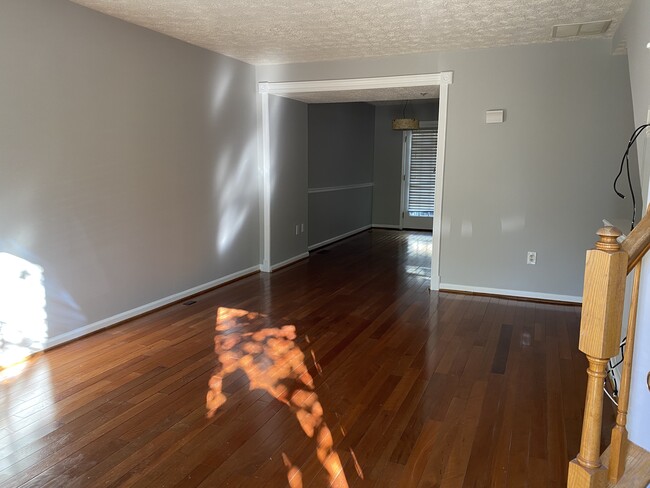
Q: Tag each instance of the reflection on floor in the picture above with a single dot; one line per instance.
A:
(416, 389)
(272, 362)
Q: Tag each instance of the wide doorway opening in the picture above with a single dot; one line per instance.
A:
(369, 90)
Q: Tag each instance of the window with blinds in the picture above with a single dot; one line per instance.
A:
(422, 172)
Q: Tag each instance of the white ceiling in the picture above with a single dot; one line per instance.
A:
(287, 31)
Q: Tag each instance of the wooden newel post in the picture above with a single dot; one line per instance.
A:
(600, 332)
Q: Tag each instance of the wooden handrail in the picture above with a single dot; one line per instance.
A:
(637, 243)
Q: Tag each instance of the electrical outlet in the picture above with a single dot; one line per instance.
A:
(531, 257)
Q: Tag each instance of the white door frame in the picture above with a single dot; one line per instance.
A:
(265, 88)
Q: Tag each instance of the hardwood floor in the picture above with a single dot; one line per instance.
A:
(416, 388)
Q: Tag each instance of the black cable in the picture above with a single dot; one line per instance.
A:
(625, 161)
(625, 158)
(635, 134)
(611, 367)
(629, 183)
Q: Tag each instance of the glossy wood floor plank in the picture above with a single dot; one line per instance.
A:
(417, 389)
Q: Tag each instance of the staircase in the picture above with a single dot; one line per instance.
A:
(637, 468)
(623, 464)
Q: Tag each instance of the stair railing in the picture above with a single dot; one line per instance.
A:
(606, 270)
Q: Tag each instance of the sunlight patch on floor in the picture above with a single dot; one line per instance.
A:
(274, 363)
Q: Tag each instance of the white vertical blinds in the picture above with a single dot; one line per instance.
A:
(422, 172)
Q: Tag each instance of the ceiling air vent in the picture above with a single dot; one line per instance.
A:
(579, 30)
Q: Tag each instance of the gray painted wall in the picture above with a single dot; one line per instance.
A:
(341, 147)
(387, 192)
(542, 180)
(288, 150)
(128, 160)
(635, 31)
(409, 64)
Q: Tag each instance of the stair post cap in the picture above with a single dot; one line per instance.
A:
(607, 239)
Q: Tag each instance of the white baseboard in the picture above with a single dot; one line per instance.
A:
(385, 226)
(511, 293)
(129, 314)
(289, 261)
(338, 238)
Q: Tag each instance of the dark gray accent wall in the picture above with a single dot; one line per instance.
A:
(128, 161)
(288, 151)
(335, 214)
(341, 149)
(387, 192)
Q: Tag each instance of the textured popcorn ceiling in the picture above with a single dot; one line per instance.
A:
(287, 31)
